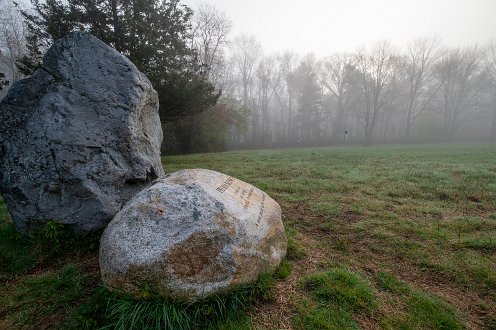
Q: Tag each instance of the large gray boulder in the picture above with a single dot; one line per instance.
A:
(192, 234)
(78, 138)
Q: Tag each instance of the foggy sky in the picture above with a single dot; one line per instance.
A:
(328, 26)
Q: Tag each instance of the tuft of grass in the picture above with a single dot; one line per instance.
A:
(130, 314)
(485, 244)
(342, 288)
(389, 283)
(295, 248)
(57, 239)
(312, 316)
(91, 313)
(431, 312)
(233, 321)
(223, 311)
(422, 311)
(326, 208)
(284, 270)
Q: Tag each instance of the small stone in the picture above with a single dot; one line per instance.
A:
(192, 234)
(78, 138)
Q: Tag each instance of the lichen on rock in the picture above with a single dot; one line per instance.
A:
(192, 234)
(78, 138)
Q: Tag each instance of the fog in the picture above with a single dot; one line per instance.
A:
(328, 26)
(359, 72)
(293, 73)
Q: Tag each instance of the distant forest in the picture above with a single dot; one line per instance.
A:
(419, 92)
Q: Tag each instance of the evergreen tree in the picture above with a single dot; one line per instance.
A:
(153, 34)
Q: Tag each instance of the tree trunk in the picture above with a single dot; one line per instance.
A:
(290, 117)
(407, 132)
(408, 123)
(337, 127)
(368, 137)
(493, 125)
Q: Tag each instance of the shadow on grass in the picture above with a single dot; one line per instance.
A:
(17, 254)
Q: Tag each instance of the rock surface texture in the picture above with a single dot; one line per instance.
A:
(192, 234)
(78, 138)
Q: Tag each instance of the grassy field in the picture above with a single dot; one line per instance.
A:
(392, 237)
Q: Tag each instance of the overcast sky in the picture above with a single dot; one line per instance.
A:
(327, 26)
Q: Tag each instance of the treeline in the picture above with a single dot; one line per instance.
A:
(219, 91)
(422, 93)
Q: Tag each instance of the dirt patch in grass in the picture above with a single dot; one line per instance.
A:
(278, 313)
(467, 302)
(474, 199)
(474, 308)
(351, 216)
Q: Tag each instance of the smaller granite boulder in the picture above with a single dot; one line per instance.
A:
(192, 234)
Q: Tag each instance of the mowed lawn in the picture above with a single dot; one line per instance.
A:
(392, 237)
(401, 236)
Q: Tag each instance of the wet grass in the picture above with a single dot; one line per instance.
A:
(393, 237)
(41, 300)
(16, 254)
(227, 311)
(334, 296)
(341, 288)
(421, 310)
(424, 214)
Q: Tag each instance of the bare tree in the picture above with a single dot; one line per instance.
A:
(268, 80)
(210, 32)
(336, 75)
(246, 52)
(377, 69)
(421, 85)
(490, 62)
(288, 63)
(378, 92)
(458, 72)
